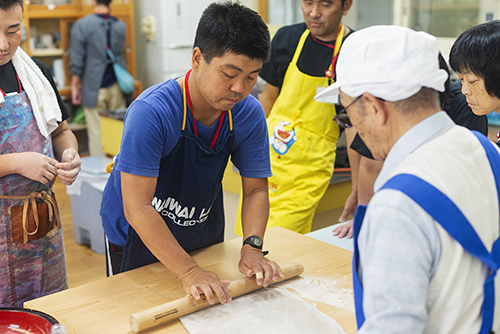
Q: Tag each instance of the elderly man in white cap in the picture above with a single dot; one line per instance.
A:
(427, 246)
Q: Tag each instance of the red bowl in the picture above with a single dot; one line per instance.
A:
(21, 320)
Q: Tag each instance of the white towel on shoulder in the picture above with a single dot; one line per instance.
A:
(40, 93)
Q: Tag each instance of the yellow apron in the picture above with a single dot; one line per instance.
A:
(303, 140)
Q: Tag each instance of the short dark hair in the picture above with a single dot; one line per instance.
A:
(9, 4)
(478, 50)
(231, 27)
(445, 97)
(103, 2)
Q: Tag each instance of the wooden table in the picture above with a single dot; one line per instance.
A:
(104, 306)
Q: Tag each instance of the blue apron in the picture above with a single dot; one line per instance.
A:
(447, 214)
(188, 194)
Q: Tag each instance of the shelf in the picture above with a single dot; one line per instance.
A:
(51, 52)
(58, 18)
(52, 10)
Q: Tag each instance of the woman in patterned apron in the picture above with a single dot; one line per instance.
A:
(32, 262)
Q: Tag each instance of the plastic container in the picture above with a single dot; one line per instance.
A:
(85, 197)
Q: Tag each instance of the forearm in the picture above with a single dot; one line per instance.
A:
(354, 158)
(157, 237)
(75, 81)
(255, 211)
(62, 139)
(8, 164)
(137, 193)
(268, 97)
(368, 173)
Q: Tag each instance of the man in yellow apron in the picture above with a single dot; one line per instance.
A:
(303, 134)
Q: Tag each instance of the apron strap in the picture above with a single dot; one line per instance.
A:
(298, 50)
(357, 287)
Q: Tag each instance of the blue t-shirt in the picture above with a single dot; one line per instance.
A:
(152, 128)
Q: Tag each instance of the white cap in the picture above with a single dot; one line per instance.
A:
(389, 62)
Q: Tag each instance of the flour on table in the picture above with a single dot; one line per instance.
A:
(270, 310)
(324, 290)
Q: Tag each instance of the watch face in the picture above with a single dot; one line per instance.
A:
(256, 241)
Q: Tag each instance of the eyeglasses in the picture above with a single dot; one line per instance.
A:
(342, 118)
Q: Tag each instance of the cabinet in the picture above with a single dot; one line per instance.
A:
(48, 24)
(47, 27)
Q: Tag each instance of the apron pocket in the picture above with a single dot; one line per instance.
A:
(44, 225)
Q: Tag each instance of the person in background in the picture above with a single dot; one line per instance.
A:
(93, 81)
(36, 146)
(364, 176)
(303, 135)
(475, 56)
(177, 139)
(424, 260)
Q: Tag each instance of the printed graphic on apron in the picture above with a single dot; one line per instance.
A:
(182, 216)
(282, 140)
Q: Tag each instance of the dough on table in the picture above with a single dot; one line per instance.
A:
(269, 310)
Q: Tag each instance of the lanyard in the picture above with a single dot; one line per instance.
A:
(18, 81)
(187, 97)
(330, 72)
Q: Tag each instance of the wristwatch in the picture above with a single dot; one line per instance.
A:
(254, 241)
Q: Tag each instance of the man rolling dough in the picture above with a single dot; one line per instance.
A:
(164, 196)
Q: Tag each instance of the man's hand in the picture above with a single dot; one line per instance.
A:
(344, 230)
(198, 281)
(76, 96)
(253, 262)
(69, 167)
(36, 166)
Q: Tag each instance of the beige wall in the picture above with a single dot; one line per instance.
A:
(254, 4)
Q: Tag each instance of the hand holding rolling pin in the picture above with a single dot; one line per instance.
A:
(253, 262)
(198, 281)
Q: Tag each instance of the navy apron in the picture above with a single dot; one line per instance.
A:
(447, 214)
(188, 193)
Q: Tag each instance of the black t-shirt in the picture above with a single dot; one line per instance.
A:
(458, 110)
(314, 60)
(9, 83)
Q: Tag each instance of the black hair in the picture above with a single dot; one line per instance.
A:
(103, 2)
(231, 27)
(445, 97)
(9, 4)
(478, 50)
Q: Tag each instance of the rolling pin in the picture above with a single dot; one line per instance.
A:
(172, 310)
